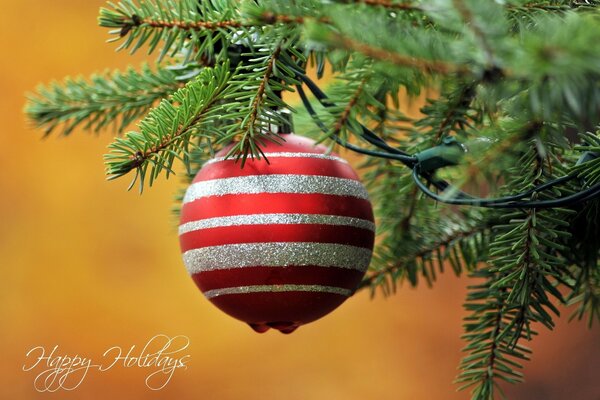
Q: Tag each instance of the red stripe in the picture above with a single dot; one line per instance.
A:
(271, 203)
(291, 308)
(289, 143)
(293, 275)
(277, 165)
(277, 233)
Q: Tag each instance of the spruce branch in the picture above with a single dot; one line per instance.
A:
(458, 247)
(403, 5)
(270, 18)
(584, 246)
(352, 97)
(381, 54)
(520, 285)
(457, 104)
(166, 133)
(287, 12)
(527, 7)
(590, 169)
(553, 6)
(586, 293)
(479, 33)
(119, 97)
(255, 94)
(536, 237)
(187, 25)
(344, 117)
(190, 25)
(424, 54)
(490, 357)
(407, 249)
(506, 79)
(548, 6)
(259, 99)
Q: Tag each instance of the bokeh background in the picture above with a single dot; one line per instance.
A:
(87, 265)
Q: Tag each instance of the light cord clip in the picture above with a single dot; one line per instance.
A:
(450, 152)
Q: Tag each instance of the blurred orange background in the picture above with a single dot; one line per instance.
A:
(87, 265)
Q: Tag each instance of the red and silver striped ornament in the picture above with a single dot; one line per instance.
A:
(280, 242)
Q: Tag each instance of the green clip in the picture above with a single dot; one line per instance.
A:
(450, 152)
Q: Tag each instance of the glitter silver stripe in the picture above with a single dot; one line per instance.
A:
(276, 254)
(285, 155)
(276, 219)
(277, 289)
(255, 184)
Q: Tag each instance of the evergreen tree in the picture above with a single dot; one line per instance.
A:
(512, 113)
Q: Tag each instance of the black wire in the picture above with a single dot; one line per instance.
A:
(366, 133)
(537, 189)
(509, 202)
(591, 196)
(337, 139)
(459, 197)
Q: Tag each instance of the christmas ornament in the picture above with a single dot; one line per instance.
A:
(282, 241)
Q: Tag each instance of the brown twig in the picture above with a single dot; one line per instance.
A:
(491, 364)
(197, 25)
(139, 157)
(345, 115)
(272, 18)
(541, 7)
(267, 18)
(388, 4)
(430, 66)
(260, 92)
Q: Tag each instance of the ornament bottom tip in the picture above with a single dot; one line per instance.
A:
(282, 326)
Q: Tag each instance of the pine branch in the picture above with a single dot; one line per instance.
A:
(380, 54)
(250, 129)
(346, 113)
(200, 29)
(428, 52)
(479, 33)
(586, 293)
(584, 245)
(490, 357)
(553, 6)
(553, 87)
(184, 25)
(190, 25)
(352, 97)
(166, 133)
(590, 169)
(462, 248)
(404, 6)
(270, 18)
(532, 235)
(509, 78)
(454, 106)
(420, 248)
(286, 12)
(413, 240)
(254, 96)
(540, 5)
(294, 15)
(519, 287)
(548, 6)
(119, 97)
